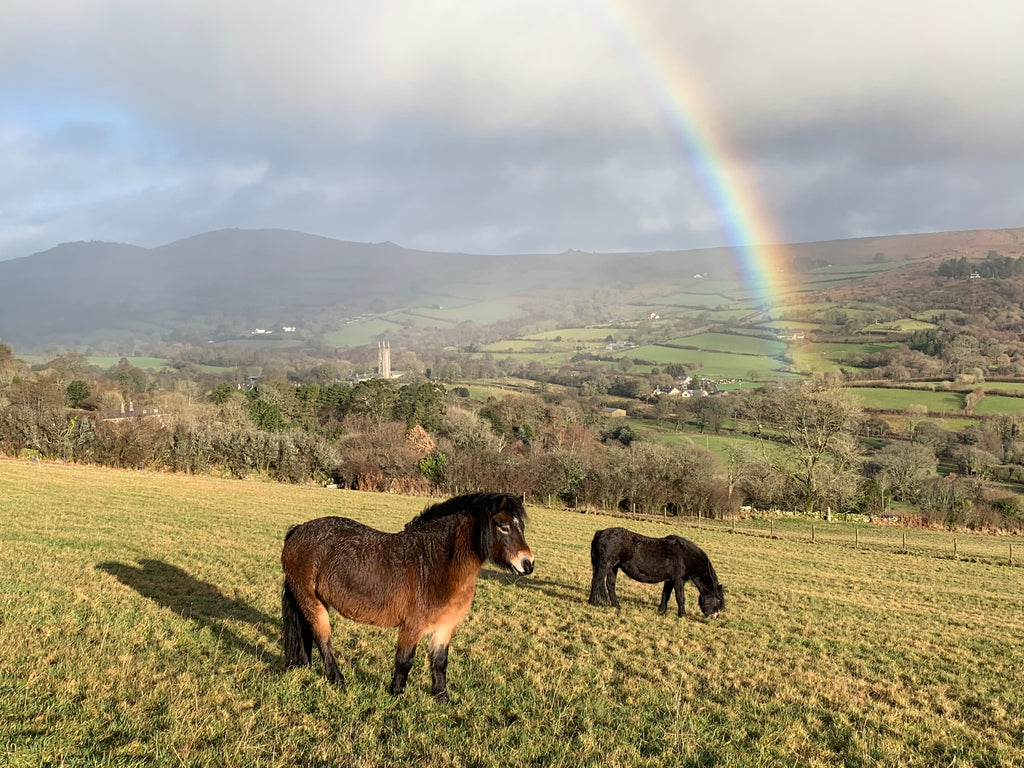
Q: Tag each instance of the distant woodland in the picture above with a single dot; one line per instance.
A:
(890, 387)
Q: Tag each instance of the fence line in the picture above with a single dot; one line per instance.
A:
(999, 550)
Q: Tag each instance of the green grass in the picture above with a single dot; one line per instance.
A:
(105, 362)
(899, 399)
(586, 335)
(998, 405)
(825, 356)
(360, 332)
(710, 364)
(139, 626)
(733, 343)
(905, 325)
(455, 311)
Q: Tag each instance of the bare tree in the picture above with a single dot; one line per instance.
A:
(815, 422)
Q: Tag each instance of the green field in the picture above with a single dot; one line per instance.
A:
(106, 362)
(710, 364)
(586, 335)
(906, 325)
(882, 398)
(140, 626)
(360, 332)
(999, 405)
(826, 356)
(733, 344)
(448, 314)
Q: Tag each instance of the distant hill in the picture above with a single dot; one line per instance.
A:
(228, 281)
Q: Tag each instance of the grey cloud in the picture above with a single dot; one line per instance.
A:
(534, 125)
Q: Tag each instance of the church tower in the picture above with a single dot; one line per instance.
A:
(384, 359)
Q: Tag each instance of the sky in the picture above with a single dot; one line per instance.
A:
(509, 126)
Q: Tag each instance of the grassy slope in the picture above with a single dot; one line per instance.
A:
(139, 625)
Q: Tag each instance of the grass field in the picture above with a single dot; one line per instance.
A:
(140, 626)
(899, 399)
(996, 405)
(733, 343)
(710, 364)
(826, 356)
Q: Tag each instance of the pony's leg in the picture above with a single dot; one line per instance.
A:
(598, 591)
(610, 583)
(680, 596)
(321, 625)
(404, 654)
(666, 593)
(439, 663)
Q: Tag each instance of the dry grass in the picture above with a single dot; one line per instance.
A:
(139, 625)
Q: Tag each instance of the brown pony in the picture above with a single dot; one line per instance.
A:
(420, 580)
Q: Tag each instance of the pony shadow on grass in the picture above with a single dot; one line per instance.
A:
(204, 603)
(548, 587)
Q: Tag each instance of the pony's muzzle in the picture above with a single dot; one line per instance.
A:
(524, 565)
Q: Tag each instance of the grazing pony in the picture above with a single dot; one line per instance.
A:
(673, 560)
(420, 580)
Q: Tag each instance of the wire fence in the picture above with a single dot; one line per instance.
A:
(1000, 549)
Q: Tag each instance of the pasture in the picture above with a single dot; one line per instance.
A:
(703, 363)
(886, 398)
(140, 626)
(732, 343)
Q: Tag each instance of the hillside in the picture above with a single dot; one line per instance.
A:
(228, 282)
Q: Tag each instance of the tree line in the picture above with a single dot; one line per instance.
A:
(806, 446)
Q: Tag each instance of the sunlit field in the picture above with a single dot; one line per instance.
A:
(702, 363)
(899, 399)
(140, 626)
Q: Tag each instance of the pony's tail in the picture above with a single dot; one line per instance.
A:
(296, 633)
(595, 554)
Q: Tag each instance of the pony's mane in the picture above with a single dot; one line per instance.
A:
(703, 561)
(473, 505)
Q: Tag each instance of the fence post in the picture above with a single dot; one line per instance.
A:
(954, 547)
(771, 528)
(1011, 553)
(904, 542)
(856, 537)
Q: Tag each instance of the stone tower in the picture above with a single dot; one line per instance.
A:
(384, 359)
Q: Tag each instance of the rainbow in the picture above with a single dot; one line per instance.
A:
(691, 121)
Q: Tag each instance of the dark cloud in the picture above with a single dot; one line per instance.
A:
(534, 125)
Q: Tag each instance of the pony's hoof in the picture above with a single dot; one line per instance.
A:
(443, 697)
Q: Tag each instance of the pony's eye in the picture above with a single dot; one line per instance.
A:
(504, 529)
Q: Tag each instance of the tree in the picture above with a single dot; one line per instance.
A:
(76, 392)
(815, 421)
(906, 465)
(421, 405)
(712, 412)
(222, 393)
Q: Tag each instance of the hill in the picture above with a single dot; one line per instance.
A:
(226, 283)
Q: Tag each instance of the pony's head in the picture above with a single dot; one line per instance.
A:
(711, 600)
(499, 532)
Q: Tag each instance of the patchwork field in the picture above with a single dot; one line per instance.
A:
(139, 626)
(710, 364)
(883, 398)
(733, 343)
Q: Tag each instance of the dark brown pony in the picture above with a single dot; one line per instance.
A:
(672, 560)
(420, 580)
